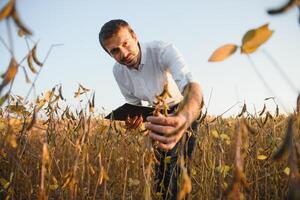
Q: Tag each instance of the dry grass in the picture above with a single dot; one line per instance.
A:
(91, 158)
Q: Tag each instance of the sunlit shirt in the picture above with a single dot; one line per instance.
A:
(160, 62)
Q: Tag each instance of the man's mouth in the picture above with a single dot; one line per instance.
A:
(129, 60)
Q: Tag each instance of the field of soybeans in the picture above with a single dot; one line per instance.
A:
(50, 150)
(80, 155)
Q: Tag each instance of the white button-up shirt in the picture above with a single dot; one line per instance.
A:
(160, 62)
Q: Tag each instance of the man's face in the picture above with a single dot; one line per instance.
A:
(123, 47)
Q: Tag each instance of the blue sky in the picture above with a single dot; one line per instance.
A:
(196, 28)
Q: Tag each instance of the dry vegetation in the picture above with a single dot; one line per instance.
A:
(80, 156)
(50, 151)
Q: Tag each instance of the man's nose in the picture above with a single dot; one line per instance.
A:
(124, 53)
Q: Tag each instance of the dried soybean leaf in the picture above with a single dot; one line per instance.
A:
(10, 73)
(91, 108)
(263, 110)
(244, 109)
(29, 62)
(93, 100)
(255, 38)
(18, 21)
(287, 6)
(277, 111)
(83, 88)
(268, 98)
(34, 56)
(223, 52)
(60, 93)
(165, 93)
(7, 10)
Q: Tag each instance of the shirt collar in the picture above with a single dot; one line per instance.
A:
(143, 55)
(143, 49)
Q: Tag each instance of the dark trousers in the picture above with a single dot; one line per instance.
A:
(167, 171)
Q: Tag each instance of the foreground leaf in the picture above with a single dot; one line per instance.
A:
(283, 8)
(223, 52)
(255, 38)
(6, 11)
(10, 73)
(19, 23)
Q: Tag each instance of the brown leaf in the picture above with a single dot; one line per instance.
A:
(263, 110)
(60, 93)
(83, 88)
(269, 98)
(255, 38)
(29, 62)
(34, 56)
(93, 100)
(277, 111)
(223, 52)
(10, 73)
(18, 21)
(244, 109)
(91, 107)
(7, 10)
(283, 8)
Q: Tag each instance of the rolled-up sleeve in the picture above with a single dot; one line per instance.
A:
(172, 60)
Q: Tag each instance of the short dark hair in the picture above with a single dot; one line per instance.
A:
(110, 28)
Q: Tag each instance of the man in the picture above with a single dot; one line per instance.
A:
(141, 69)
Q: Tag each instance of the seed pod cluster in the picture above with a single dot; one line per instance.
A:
(32, 57)
(160, 105)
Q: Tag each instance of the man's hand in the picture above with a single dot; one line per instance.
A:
(133, 122)
(167, 131)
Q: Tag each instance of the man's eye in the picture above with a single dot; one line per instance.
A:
(125, 44)
(113, 51)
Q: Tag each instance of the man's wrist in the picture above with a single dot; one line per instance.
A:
(185, 116)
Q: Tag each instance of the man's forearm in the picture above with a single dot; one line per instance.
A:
(191, 104)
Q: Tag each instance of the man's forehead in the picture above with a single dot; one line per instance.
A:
(121, 35)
